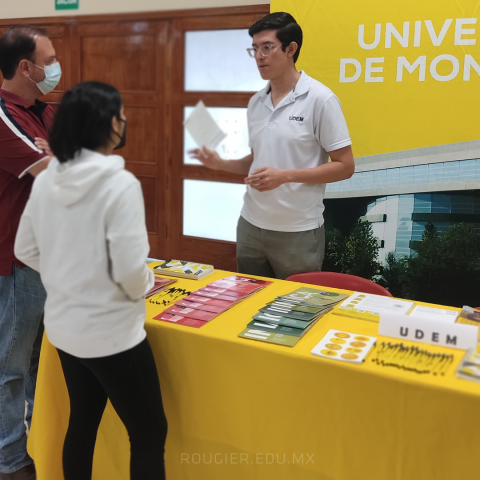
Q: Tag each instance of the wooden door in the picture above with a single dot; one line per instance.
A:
(131, 56)
(222, 254)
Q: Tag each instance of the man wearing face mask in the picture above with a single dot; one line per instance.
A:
(30, 70)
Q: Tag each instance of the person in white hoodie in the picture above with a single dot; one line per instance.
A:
(84, 230)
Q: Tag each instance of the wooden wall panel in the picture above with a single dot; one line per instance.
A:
(128, 62)
(149, 188)
(142, 135)
(131, 56)
(140, 17)
(59, 46)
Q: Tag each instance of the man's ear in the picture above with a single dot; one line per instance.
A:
(292, 48)
(24, 67)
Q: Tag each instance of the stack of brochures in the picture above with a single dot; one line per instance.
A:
(183, 269)
(285, 320)
(470, 316)
(160, 285)
(210, 301)
(469, 368)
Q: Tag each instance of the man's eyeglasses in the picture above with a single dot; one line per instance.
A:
(265, 50)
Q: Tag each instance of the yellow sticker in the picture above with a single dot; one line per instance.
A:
(349, 356)
(328, 353)
(362, 339)
(358, 344)
(354, 350)
(342, 335)
(337, 340)
(332, 346)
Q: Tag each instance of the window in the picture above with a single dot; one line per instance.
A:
(216, 60)
(211, 209)
(233, 121)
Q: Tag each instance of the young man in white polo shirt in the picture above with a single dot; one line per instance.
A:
(294, 124)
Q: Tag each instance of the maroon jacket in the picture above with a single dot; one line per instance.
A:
(20, 123)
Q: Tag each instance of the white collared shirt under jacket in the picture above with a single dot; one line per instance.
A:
(298, 133)
(84, 230)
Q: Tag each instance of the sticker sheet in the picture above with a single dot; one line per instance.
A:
(344, 346)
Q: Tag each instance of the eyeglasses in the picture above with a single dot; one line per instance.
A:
(265, 50)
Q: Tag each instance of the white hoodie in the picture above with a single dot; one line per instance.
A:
(84, 230)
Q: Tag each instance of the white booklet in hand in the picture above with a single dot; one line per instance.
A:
(203, 128)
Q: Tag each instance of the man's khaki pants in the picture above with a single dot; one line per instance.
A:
(268, 253)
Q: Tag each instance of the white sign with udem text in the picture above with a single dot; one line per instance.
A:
(405, 327)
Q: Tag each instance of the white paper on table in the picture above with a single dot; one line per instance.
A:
(203, 128)
(429, 313)
(376, 304)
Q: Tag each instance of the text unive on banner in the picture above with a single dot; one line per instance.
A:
(407, 75)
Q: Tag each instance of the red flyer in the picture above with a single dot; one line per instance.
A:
(255, 281)
(191, 313)
(223, 291)
(207, 307)
(244, 288)
(208, 293)
(160, 284)
(178, 319)
(209, 301)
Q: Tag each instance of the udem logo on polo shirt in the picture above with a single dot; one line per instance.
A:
(296, 119)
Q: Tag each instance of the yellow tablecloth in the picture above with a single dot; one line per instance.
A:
(242, 409)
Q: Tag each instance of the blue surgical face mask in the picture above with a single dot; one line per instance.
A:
(53, 73)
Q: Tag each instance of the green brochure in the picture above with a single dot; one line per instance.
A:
(281, 320)
(269, 337)
(313, 296)
(294, 307)
(289, 312)
(269, 327)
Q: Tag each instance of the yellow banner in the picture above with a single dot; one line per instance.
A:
(407, 73)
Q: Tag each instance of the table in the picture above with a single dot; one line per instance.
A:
(242, 409)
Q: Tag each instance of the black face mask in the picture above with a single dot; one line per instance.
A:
(123, 138)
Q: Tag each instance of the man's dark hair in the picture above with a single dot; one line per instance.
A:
(287, 30)
(84, 119)
(16, 44)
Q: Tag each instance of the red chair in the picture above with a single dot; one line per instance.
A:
(340, 280)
